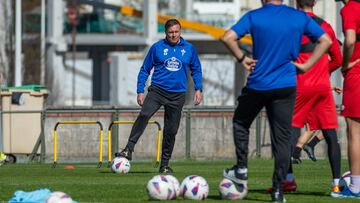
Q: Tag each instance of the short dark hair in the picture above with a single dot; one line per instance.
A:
(266, 1)
(171, 22)
(305, 3)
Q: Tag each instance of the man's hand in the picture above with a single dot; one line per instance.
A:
(197, 97)
(320, 49)
(140, 98)
(230, 39)
(351, 64)
(337, 89)
(301, 67)
(249, 64)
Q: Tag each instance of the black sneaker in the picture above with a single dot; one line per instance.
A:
(232, 174)
(295, 160)
(310, 152)
(277, 196)
(124, 153)
(166, 170)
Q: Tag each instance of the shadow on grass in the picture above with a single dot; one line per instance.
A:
(307, 193)
(214, 197)
(139, 172)
(311, 193)
(134, 172)
(264, 192)
(217, 197)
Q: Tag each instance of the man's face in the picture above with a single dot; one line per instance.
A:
(173, 34)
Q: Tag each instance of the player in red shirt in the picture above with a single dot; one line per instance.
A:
(314, 95)
(350, 14)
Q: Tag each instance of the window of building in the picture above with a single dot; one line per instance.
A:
(215, 1)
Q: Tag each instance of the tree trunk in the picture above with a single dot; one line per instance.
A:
(6, 31)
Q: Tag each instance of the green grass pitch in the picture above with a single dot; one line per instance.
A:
(86, 183)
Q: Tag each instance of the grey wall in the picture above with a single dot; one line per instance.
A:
(210, 137)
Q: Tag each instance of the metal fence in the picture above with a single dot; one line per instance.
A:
(260, 123)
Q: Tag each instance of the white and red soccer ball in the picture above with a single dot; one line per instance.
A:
(120, 165)
(176, 185)
(194, 187)
(345, 180)
(160, 188)
(230, 190)
(59, 197)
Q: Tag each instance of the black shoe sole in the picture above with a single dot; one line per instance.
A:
(310, 155)
(295, 161)
(168, 171)
(118, 154)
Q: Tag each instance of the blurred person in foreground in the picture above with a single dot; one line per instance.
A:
(170, 59)
(314, 102)
(350, 14)
(276, 31)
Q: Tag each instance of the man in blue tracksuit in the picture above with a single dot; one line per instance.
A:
(170, 59)
(276, 31)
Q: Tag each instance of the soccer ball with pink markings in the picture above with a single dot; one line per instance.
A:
(120, 165)
(194, 187)
(176, 185)
(230, 190)
(59, 197)
(160, 188)
(345, 180)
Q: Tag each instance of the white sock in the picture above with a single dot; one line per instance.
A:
(355, 184)
(290, 177)
(336, 181)
(242, 170)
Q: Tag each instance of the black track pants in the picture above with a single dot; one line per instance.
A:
(173, 104)
(279, 104)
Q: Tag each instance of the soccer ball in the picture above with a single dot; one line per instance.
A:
(176, 185)
(59, 197)
(160, 188)
(194, 187)
(345, 180)
(120, 165)
(230, 190)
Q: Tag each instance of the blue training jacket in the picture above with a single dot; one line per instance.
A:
(276, 31)
(171, 65)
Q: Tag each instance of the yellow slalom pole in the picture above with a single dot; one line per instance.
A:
(123, 122)
(132, 122)
(77, 122)
(158, 148)
(55, 140)
(80, 122)
(109, 146)
(101, 147)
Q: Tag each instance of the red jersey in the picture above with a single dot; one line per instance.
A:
(351, 21)
(318, 77)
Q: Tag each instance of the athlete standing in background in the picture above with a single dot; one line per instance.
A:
(314, 97)
(276, 31)
(350, 14)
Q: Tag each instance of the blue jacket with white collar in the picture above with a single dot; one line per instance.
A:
(171, 64)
